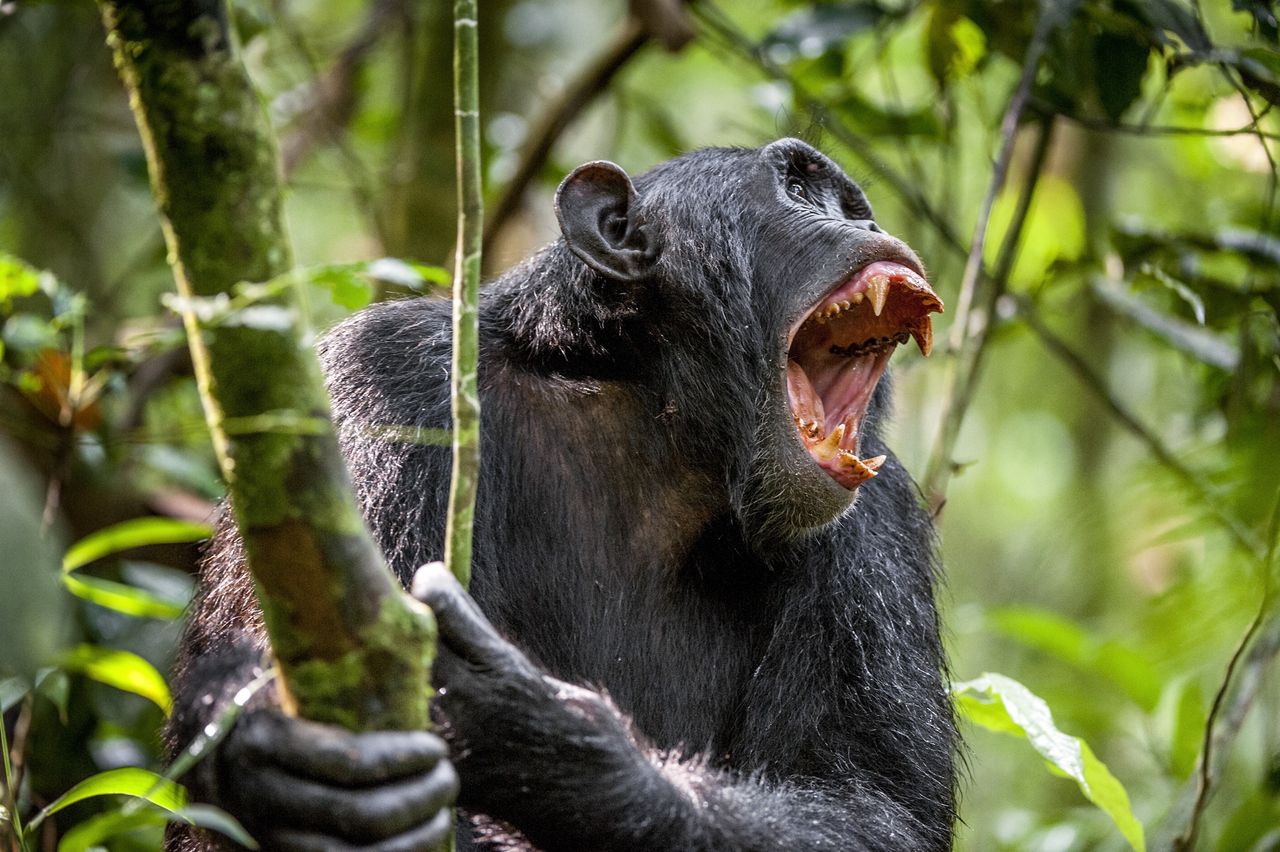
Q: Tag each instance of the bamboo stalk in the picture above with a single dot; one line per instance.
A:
(466, 288)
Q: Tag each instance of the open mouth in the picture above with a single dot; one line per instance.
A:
(837, 352)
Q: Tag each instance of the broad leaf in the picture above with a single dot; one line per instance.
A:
(121, 669)
(92, 832)
(121, 598)
(129, 534)
(129, 781)
(1003, 705)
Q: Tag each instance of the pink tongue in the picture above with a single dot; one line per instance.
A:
(805, 402)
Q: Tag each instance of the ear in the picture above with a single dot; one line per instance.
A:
(596, 208)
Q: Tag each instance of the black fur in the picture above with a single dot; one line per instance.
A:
(641, 529)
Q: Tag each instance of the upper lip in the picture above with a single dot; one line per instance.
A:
(810, 304)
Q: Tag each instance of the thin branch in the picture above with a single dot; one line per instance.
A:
(1106, 126)
(1224, 721)
(973, 356)
(1093, 382)
(464, 389)
(1050, 16)
(581, 92)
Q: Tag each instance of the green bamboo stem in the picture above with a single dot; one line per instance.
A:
(466, 289)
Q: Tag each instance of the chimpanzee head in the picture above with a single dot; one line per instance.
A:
(773, 303)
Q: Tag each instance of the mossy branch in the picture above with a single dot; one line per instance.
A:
(352, 648)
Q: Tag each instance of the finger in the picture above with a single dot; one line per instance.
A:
(462, 626)
(427, 836)
(370, 813)
(336, 755)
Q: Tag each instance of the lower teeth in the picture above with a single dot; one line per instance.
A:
(866, 346)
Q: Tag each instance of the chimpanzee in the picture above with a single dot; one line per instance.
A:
(706, 585)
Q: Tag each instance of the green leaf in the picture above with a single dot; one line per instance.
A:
(345, 282)
(878, 121)
(121, 598)
(1183, 706)
(92, 832)
(1120, 61)
(1003, 705)
(207, 816)
(138, 532)
(129, 781)
(955, 45)
(121, 669)
(12, 690)
(17, 278)
(816, 30)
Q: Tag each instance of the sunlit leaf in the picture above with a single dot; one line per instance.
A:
(129, 781)
(346, 283)
(138, 532)
(17, 278)
(120, 597)
(1002, 704)
(92, 832)
(121, 669)
(1053, 231)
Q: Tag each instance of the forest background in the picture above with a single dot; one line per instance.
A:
(1092, 185)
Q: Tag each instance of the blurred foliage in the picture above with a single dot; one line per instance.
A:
(1110, 530)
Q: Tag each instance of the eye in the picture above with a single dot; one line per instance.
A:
(796, 189)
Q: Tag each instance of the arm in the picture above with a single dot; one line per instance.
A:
(564, 766)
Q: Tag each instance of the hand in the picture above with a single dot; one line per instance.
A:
(301, 785)
(511, 727)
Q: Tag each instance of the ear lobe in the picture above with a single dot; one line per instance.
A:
(596, 208)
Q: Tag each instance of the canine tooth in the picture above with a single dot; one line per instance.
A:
(873, 464)
(828, 447)
(923, 333)
(878, 292)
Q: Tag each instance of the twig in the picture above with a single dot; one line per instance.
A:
(1105, 126)
(464, 390)
(1218, 735)
(1243, 536)
(577, 96)
(973, 356)
(1050, 16)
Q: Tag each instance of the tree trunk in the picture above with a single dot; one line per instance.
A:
(351, 647)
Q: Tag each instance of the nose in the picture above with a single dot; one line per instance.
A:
(866, 225)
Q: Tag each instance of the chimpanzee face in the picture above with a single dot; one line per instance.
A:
(775, 253)
(846, 294)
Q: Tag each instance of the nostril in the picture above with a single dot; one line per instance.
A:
(866, 225)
